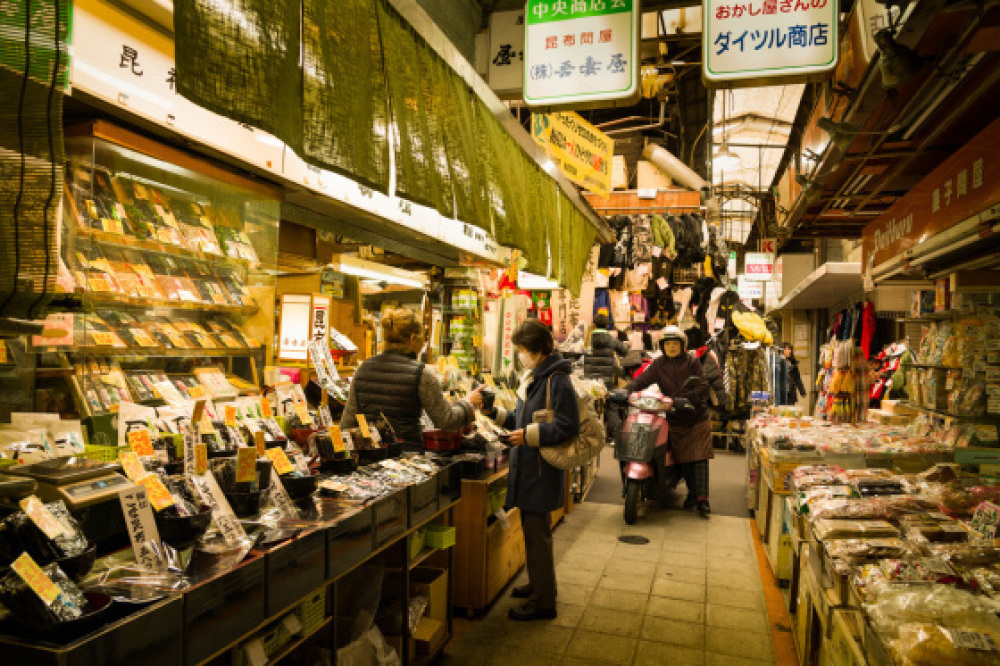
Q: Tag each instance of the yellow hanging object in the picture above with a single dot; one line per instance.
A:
(752, 327)
(708, 268)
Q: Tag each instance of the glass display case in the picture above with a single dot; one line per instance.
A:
(168, 262)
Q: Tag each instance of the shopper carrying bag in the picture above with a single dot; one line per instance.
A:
(533, 485)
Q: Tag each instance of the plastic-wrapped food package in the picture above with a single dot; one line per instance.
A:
(875, 487)
(870, 473)
(25, 603)
(950, 531)
(927, 644)
(820, 494)
(967, 555)
(943, 604)
(919, 570)
(941, 472)
(849, 553)
(807, 476)
(849, 529)
(18, 533)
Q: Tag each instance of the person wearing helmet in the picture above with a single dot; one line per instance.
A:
(679, 375)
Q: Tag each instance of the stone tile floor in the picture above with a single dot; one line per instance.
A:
(691, 596)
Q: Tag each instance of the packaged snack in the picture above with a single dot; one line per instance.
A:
(967, 555)
(848, 529)
(858, 551)
(933, 644)
(944, 604)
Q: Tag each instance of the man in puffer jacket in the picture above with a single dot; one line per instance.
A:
(601, 363)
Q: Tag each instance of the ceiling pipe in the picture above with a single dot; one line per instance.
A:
(673, 167)
(657, 125)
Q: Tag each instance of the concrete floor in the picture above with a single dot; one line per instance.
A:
(692, 596)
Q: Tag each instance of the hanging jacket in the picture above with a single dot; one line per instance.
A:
(642, 239)
(869, 329)
(713, 374)
(663, 236)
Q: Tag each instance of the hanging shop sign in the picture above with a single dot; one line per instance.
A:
(506, 66)
(581, 52)
(581, 151)
(756, 40)
(960, 188)
(769, 245)
(759, 266)
(749, 289)
(874, 16)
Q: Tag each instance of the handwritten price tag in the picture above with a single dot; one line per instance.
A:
(282, 464)
(246, 465)
(32, 574)
(338, 439)
(230, 415)
(159, 496)
(200, 458)
(265, 407)
(43, 518)
(363, 424)
(141, 442)
(260, 442)
(303, 413)
(132, 465)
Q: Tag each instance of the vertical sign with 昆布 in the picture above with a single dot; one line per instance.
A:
(752, 40)
(580, 51)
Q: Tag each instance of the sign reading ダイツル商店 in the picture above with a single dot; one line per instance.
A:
(765, 39)
(580, 51)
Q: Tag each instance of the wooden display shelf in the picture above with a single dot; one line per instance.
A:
(294, 645)
(118, 300)
(147, 351)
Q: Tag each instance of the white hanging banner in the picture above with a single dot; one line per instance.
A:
(758, 266)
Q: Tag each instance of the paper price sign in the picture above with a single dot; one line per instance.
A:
(363, 424)
(282, 465)
(282, 500)
(132, 465)
(338, 438)
(159, 496)
(141, 527)
(230, 415)
(246, 465)
(43, 519)
(196, 392)
(141, 442)
(260, 442)
(265, 407)
(303, 413)
(200, 458)
(229, 526)
(32, 574)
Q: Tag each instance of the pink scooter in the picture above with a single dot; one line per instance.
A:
(644, 432)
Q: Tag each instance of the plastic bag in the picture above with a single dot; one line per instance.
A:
(846, 529)
(370, 649)
(932, 645)
(933, 604)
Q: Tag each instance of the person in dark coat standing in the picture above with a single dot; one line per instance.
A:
(602, 363)
(793, 379)
(533, 485)
(690, 427)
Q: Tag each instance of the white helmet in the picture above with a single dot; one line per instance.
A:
(673, 333)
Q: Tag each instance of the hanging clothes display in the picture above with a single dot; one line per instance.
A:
(842, 382)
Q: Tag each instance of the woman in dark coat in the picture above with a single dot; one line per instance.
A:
(690, 427)
(793, 378)
(533, 485)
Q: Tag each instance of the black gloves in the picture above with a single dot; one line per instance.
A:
(683, 405)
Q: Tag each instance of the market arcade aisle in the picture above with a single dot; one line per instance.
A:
(691, 596)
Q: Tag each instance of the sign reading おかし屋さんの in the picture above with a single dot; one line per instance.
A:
(753, 40)
(580, 51)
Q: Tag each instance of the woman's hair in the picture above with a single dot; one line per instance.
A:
(601, 320)
(534, 336)
(399, 326)
(788, 346)
(696, 338)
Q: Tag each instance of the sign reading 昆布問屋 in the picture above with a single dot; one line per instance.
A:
(581, 151)
(767, 39)
(580, 51)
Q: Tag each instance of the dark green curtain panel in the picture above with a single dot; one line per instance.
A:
(536, 230)
(495, 181)
(243, 62)
(461, 135)
(582, 236)
(422, 172)
(345, 102)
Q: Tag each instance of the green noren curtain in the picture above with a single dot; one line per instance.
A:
(459, 119)
(243, 63)
(582, 236)
(345, 103)
(422, 171)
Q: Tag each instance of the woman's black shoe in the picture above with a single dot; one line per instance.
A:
(521, 592)
(690, 502)
(529, 612)
(704, 508)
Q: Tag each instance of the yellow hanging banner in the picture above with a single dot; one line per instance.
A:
(581, 151)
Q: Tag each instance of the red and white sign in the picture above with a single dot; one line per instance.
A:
(747, 288)
(759, 266)
(769, 245)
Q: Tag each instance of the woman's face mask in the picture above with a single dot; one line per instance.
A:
(528, 360)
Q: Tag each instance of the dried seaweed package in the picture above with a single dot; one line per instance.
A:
(109, 204)
(31, 608)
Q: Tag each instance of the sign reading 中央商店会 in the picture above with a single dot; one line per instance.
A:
(580, 51)
(762, 39)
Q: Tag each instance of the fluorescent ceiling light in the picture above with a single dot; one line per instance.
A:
(532, 282)
(369, 269)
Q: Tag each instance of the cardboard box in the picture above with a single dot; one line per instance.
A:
(433, 584)
(898, 407)
(650, 177)
(429, 636)
(885, 418)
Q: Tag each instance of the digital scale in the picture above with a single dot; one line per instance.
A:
(79, 482)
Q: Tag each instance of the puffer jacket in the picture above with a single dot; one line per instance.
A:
(601, 362)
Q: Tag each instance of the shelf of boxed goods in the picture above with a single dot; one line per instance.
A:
(147, 352)
(124, 242)
(940, 413)
(120, 300)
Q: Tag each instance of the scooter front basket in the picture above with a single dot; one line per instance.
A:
(636, 442)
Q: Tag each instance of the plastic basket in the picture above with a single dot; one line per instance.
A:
(440, 536)
(274, 639)
(102, 453)
(7, 462)
(312, 612)
(637, 442)
(415, 543)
